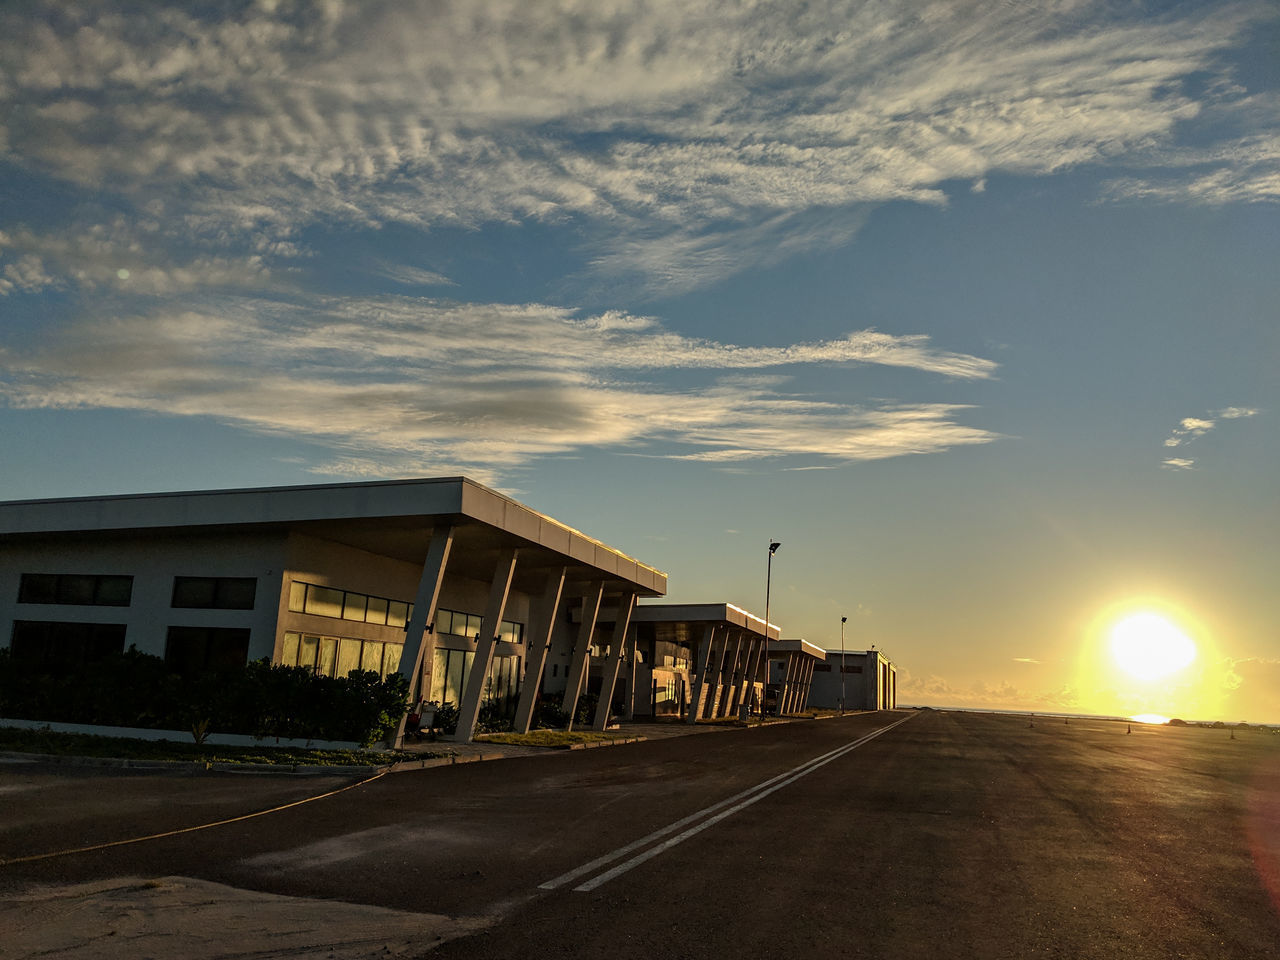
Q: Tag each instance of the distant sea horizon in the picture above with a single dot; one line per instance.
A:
(1077, 716)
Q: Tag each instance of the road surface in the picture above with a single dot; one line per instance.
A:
(897, 835)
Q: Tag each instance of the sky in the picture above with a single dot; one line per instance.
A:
(974, 307)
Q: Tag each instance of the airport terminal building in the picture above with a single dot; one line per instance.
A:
(472, 596)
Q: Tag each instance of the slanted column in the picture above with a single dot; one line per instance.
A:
(789, 684)
(784, 684)
(581, 660)
(536, 645)
(733, 673)
(802, 668)
(741, 677)
(612, 666)
(418, 655)
(700, 678)
(490, 625)
(753, 671)
(715, 673)
(808, 682)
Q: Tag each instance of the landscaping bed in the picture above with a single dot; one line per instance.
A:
(48, 743)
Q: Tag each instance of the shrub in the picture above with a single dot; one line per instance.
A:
(139, 690)
(446, 718)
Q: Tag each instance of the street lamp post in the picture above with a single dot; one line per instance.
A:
(843, 620)
(768, 582)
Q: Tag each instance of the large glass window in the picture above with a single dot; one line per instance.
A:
(57, 643)
(348, 657)
(73, 588)
(451, 669)
(214, 593)
(347, 605)
(338, 656)
(204, 649)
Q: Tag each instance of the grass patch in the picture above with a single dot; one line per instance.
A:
(551, 738)
(90, 745)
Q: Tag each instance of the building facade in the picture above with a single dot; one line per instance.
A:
(870, 681)
(462, 590)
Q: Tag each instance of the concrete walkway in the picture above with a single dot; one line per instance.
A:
(627, 732)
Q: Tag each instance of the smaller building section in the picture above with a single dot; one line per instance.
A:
(870, 681)
(792, 664)
(697, 661)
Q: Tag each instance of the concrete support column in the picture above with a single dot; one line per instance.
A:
(750, 652)
(612, 666)
(715, 674)
(581, 660)
(736, 678)
(700, 678)
(793, 667)
(536, 644)
(490, 626)
(737, 660)
(753, 670)
(802, 687)
(808, 682)
(418, 655)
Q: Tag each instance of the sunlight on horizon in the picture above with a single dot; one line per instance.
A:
(1153, 718)
(1146, 656)
(1148, 646)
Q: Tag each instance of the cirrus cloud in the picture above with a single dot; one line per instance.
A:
(723, 131)
(401, 385)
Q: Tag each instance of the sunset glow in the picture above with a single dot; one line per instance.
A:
(1148, 646)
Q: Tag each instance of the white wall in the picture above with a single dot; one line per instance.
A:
(153, 562)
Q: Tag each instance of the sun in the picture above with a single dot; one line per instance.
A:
(1148, 646)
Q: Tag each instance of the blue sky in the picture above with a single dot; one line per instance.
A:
(973, 306)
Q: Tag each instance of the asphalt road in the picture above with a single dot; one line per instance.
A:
(946, 835)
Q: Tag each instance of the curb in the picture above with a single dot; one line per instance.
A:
(591, 745)
(194, 767)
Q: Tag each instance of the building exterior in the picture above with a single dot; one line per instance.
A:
(698, 661)
(462, 590)
(791, 670)
(870, 681)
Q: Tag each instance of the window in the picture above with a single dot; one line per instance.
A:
(191, 650)
(469, 625)
(55, 643)
(338, 656)
(854, 668)
(78, 589)
(347, 605)
(822, 668)
(214, 593)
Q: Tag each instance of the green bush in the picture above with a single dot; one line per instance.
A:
(447, 718)
(549, 715)
(135, 689)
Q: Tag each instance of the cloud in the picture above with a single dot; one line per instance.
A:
(91, 257)
(1024, 660)
(26, 274)
(690, 139)
(1192, 428)
(402, 385)
(413, 276)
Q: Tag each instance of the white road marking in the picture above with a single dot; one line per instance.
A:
(738, 801)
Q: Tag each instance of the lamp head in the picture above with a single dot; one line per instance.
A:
(773, 547)
(844, 619)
